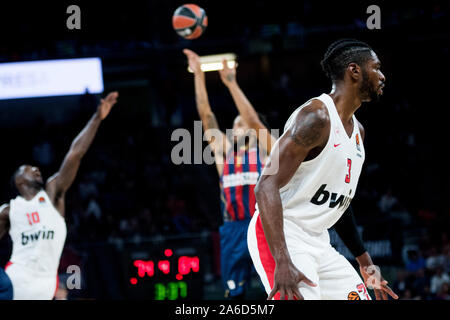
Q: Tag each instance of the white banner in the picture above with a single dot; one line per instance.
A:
(50, 78)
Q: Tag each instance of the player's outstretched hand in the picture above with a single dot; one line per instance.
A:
(374, 280)
(193, 60)
(106, 104)
(286, 280)
(227, 74)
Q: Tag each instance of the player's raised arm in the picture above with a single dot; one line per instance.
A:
(310, 130)
(246, 110)
(58, 184)
(4, 219)
(217, 140)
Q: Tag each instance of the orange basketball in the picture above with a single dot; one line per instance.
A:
(189, 21)
(353, 296)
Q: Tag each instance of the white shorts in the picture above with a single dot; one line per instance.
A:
(313, 255)
(30, 286)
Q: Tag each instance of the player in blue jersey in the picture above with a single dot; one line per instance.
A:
(239, 162)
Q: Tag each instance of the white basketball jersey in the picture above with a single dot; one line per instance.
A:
(321, 189)
(38, 232)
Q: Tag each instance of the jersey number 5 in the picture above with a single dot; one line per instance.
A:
(349, 165)
(33, 218)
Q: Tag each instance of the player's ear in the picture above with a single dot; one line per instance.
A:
(354, 70)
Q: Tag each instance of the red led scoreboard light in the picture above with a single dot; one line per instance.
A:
(169, 276)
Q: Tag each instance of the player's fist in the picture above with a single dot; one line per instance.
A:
(193, 61)
(106, 104)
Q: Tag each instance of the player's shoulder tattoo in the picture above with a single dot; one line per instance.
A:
(310, 124)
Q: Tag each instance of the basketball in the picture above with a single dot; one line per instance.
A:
(189, 21)
(353, 296)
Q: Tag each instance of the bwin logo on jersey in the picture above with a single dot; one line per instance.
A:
(41, 234)
(321, 197)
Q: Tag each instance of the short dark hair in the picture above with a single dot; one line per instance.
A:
(342, 52)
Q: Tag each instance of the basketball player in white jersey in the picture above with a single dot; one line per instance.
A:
(320, 158)
(35, 218)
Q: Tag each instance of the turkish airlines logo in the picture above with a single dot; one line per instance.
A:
(240, 179)
(357, 143)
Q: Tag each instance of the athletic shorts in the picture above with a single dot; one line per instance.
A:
(313, 255)
(6, 289)
(236, 263)
(28, 285)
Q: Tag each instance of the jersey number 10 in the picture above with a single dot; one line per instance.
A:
(33, 218)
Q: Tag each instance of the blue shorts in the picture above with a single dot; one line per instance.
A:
(6, 288)
(236, 263)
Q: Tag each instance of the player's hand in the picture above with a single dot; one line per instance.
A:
(193, 60)
(286, 280)
(106, 104)
(227, 74)
(374, 280)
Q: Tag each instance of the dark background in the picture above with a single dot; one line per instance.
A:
(128, 193)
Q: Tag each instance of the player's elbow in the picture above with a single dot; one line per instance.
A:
(75, 154)
(263, 186)
(77, 150)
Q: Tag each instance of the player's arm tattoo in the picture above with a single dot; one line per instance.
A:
(211, 121)
(231, 77)
(309, 129)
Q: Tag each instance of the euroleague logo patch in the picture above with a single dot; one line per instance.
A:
(41, 200)
(353, 295)
(357, 142)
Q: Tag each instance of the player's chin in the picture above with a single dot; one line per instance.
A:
(378, 95)
(374, 96)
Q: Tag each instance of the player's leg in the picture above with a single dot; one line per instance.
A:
(338, 278)
(242, 266)
(234, 258)
(265, 264)
(6, 288)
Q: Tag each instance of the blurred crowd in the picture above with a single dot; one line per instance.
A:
(425, 275)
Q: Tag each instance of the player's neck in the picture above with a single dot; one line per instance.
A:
(346, 100)
(29, 193)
